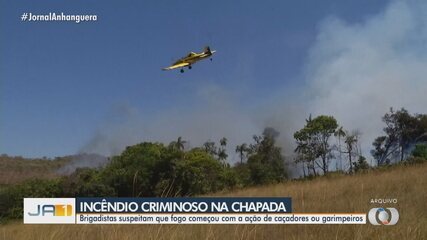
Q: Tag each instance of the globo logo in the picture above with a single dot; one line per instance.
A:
(383, 216)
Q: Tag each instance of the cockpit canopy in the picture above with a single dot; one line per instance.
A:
(191, 54)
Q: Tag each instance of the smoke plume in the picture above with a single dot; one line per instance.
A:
(83, 160)
(354, 72)
(357, 72)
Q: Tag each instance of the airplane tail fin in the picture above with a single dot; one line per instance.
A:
(208, 50)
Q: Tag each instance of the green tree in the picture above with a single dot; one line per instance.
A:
(350, 147)
(419, 154)
(265, 161)
(210, 148)
(151, 169)
(361, 164)
(306, 154)
(219, 153)
(420, 151)
(402, 129)
(241, 150)
(178, 144)
(86, 182)
(313, 140)
(199, 173)
(340, 133)
(140, 169)
(11, 197)
(222, 152)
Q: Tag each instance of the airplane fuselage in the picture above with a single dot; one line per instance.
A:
(190, 59)
(193, 58)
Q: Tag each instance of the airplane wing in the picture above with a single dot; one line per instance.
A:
(179, 65)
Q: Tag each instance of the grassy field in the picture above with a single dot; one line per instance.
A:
(334, 193)
(17, 169)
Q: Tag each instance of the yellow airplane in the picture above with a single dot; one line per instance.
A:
(191, 58)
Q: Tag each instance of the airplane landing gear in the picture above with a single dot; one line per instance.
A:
(189, 67)
(210, 59)
(182, 70)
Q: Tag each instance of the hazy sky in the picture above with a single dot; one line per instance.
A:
(65, 87)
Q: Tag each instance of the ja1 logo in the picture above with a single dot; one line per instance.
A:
(383, 216)
(58, 210)
(49, 210)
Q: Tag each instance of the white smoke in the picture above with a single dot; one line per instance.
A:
(354, 72)
(215, 116)
(83, 161)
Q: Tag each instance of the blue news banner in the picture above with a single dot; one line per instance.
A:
(202, 210)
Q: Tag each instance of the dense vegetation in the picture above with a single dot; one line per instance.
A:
(155, 169)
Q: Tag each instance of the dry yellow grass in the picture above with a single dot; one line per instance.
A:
(326, 194)
(17, 169)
